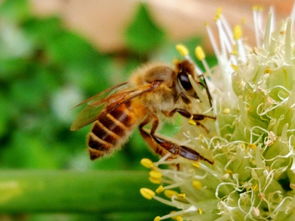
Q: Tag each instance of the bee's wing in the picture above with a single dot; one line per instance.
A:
(103, 93)
(94, 106)
(86, 116)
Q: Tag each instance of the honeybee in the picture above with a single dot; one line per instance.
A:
(152, 90)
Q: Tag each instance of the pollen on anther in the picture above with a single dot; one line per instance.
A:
(181, 195)
(196, 164)
(200, 211)
(157, 218)
(170, 193)
(226, 110)
(199, 53)
(252, 146)
(257, 8)
(234, 52)
(178, 218)
(192, 122)
(218, 14)
(254, 187)
(147, 193)
(155, 180)
(155, 174)
(160, 189)
(147, 163)
(234, 67)
(182, 50)
(228, 171)
(267, 71)
(197, 184)
(238, 32)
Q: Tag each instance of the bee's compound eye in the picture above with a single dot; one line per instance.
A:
(184, 81)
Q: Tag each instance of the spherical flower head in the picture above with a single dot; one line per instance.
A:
(252, 139)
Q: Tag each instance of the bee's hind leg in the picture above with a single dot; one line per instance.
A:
(173, 148)
(149, 139)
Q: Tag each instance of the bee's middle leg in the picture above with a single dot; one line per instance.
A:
(195, 117)
(187, 114)
(173, 148)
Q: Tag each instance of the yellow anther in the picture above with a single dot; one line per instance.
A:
(147, 193)
(155, 180)
(182, 50)
(226, 110)
(155, 174)
(238, 32)
(157, 218)
(192, 122)
(199, 53)
(218, 13)
(234, 67)
(160, 189)
(196, 164)
(229, 171)
(292, 186)
(147, 163)
(170, 193)
(252, 146)
(197, 184)
(267, 71)
(234, 52)
(181, 195)
(200, 211)
(254, 187)
(257, 8)
(260, 8)
(177, 218)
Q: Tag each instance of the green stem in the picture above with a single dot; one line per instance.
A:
(71, 191)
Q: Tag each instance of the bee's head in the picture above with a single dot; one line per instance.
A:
(183, 84)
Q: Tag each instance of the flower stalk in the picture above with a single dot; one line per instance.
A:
(99, 192)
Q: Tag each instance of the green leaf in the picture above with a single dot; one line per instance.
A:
(11, 68)
(28, 93)
(142, 34)
(27, 151)
(15, 9)
(4, 112)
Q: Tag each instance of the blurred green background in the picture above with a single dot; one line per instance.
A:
(45, 70)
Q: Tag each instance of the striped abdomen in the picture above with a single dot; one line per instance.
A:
(110, 130)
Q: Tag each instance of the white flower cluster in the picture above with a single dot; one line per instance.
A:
(251, 141)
